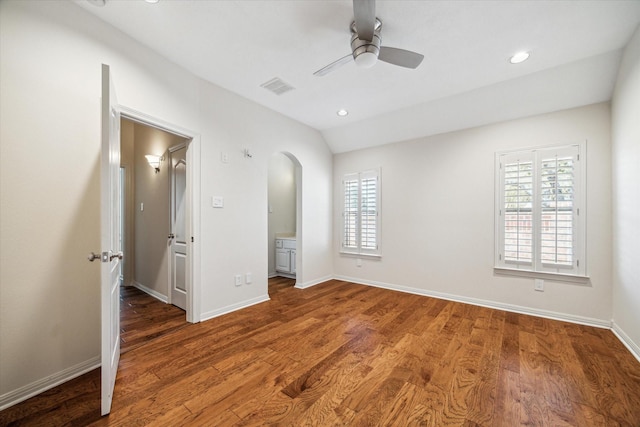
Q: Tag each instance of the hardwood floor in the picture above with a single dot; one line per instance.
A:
(343, 354)
(143, 318)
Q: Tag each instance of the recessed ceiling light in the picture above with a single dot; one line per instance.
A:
(519, 57)
(152, 1)
(342, 112)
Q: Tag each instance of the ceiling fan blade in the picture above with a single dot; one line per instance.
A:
(401, 57)
(334, 65)
(364, 12)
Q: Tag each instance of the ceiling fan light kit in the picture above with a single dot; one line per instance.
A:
(365, 53)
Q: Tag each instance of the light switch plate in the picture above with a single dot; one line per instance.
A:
(217, 201)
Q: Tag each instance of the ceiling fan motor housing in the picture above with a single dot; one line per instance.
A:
(365, 52)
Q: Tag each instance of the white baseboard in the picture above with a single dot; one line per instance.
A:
(311, 283)
(588, 321)
(157, 295)
(233, 307)
(23, 393)
(626, 340)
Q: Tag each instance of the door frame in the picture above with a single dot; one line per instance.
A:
(193, 285)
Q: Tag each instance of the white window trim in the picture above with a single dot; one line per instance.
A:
(536, 269)
(359, 251)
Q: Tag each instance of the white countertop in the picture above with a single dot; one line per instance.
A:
(286, 236)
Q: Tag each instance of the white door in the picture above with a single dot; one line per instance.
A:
(178, 233)
(110, 238)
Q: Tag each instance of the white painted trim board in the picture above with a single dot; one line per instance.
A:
(23, 393)
(234, 307)
(588, 321)
(157, 295)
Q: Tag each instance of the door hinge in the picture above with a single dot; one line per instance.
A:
(191, 239)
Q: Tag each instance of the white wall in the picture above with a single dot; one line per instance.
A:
(282, 201)
(626, 197)
(50, 130)
(432, 244)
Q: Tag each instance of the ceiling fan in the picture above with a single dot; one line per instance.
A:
(366, 46)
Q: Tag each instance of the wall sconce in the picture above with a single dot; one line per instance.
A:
(154, 161)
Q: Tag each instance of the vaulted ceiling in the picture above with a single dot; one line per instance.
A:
(465, 79)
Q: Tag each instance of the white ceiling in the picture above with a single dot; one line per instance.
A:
(465, 79)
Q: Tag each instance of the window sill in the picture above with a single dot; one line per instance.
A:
(559, 277)
(359, 255)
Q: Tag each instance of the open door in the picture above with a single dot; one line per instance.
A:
(111, 252)
(178, 236)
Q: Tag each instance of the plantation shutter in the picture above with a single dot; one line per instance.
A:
(351, 185)
(557, 220)
(518, 209)
(361, 215)
(369, 211)
(539, 225)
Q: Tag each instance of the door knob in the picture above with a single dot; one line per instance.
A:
(118, 255)
(92, 257)
(171, 236)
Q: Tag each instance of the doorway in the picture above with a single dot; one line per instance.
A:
(152, 212)
(284, 216)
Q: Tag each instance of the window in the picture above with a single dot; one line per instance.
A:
(361, 213)
(540, 201)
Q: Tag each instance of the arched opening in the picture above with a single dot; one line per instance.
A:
(285, 216)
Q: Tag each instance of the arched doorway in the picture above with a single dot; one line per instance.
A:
(285, 216)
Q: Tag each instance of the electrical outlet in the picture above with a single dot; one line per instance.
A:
(247, 278)
(538, 285)
(358, 262)
(238, 279)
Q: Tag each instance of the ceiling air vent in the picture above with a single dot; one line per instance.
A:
(277, 86)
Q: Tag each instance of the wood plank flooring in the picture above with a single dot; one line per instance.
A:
(143, 318)
(340, 354)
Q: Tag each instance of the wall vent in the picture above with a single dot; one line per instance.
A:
(277, 86)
